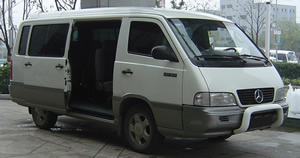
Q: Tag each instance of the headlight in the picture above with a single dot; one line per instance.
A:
(281, 94)
(214, 99)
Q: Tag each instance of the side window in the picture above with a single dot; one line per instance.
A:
(103, 34)
(23, 40)
(95, 34)
(48, 40)
(96, 31)
(144, 36)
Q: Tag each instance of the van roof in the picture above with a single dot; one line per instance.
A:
(126, 11)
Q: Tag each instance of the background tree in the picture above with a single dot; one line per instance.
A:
(252, 18)
(205, 6)
(290, 36)
(177, 5)
(158, 3)
(39, 5)
(28, 5)
(65, 4)
(4, 28)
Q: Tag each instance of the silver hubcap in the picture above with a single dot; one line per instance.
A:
(139, 129)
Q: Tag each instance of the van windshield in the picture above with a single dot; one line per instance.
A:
(214, 43)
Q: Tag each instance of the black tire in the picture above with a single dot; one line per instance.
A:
(140, 130)
(220, 138)
(43, 119)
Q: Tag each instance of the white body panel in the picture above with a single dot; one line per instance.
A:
(232, 79)
(45, 73)
(148, 80)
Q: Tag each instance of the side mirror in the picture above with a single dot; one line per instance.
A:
(163, 53)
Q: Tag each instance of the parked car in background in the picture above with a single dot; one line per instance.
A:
(284, 56)
(2, 61)
(3, 54)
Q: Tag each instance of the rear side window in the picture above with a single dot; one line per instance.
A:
(144, 36)
(48, 40)
(96, 31)
(23, 40)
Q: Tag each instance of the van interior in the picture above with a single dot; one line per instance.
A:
(92, 55)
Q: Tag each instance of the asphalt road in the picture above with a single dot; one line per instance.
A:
(73, 138)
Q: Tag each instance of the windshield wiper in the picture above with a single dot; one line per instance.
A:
(253, 57)
(231, 49)
(218, 56)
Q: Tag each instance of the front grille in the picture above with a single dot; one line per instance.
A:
(262, 120)
(247, 96)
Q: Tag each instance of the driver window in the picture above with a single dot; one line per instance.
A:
(144, 36)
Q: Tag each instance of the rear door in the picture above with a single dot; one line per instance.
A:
(17, 77)
(46, 65)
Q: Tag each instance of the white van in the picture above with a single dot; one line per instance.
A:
(150, 72)
(283, 56)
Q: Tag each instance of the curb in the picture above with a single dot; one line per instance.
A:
(4, 97)
(292, 122)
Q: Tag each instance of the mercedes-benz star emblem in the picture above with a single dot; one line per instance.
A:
(258, 96)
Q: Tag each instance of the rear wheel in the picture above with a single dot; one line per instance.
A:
(43, 119)
(141, 131)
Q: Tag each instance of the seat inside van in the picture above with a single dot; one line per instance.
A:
(104, 66)
(92, 55)
(201, 39)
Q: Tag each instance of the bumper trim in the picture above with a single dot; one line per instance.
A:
(249, 111)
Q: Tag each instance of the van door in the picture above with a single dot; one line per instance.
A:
(17, 76)
(159, 82)
(46, 66)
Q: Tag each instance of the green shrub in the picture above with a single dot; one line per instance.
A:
(294, 82)
(4, 79)
(289, 72)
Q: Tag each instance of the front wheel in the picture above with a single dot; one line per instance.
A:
(43, 119)
(141, 131)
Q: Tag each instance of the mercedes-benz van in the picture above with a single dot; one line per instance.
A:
(150, 72)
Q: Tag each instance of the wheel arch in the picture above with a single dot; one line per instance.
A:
(129, 101)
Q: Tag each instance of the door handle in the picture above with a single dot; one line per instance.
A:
(127, 71)
(28, 64)
(59, 66)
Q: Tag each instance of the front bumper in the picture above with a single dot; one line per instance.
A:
(220, 121)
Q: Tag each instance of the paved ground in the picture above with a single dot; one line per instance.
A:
(73, 138)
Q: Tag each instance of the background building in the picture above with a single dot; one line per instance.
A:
(252, 16)
(238, 10)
